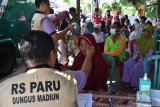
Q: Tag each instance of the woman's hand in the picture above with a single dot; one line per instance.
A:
(90, 51)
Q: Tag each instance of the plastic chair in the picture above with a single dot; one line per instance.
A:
(111, 74)
(156, 79)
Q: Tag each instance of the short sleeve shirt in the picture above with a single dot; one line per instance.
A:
(48, 26)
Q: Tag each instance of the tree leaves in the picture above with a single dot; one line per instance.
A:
(66, 1)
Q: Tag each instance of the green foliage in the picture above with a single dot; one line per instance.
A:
(129, 10)
(151, 11)
(86, 7)
(116, 6)
(66, 1)
(122, 6)
(100, 11)
(105, 7)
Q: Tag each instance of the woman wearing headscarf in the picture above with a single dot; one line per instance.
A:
(98, 35)
(132, 38)
(99, 72)
(88, 27)
(133, 67)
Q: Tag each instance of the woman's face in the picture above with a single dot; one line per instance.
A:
(146, 33)
(96, 30)
(83, 46)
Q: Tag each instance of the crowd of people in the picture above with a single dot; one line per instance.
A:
(50, 80)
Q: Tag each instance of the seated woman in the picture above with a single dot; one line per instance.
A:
(132, 37)
(133, 67)
(87, 27)
(98, 35)
(115, 45)
(99, 74)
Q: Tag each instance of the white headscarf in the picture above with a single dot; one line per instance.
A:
(97, 26)
(98, 36)
(133, 34)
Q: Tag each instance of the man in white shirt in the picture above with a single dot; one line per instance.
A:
(42, 22)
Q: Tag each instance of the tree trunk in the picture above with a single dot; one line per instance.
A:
(97, 5)
(78, 7)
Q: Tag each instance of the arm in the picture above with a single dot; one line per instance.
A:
(87, 64)
(106, 45)
(49, 28)
(81, 79)
(59, 35)
(149, 53)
